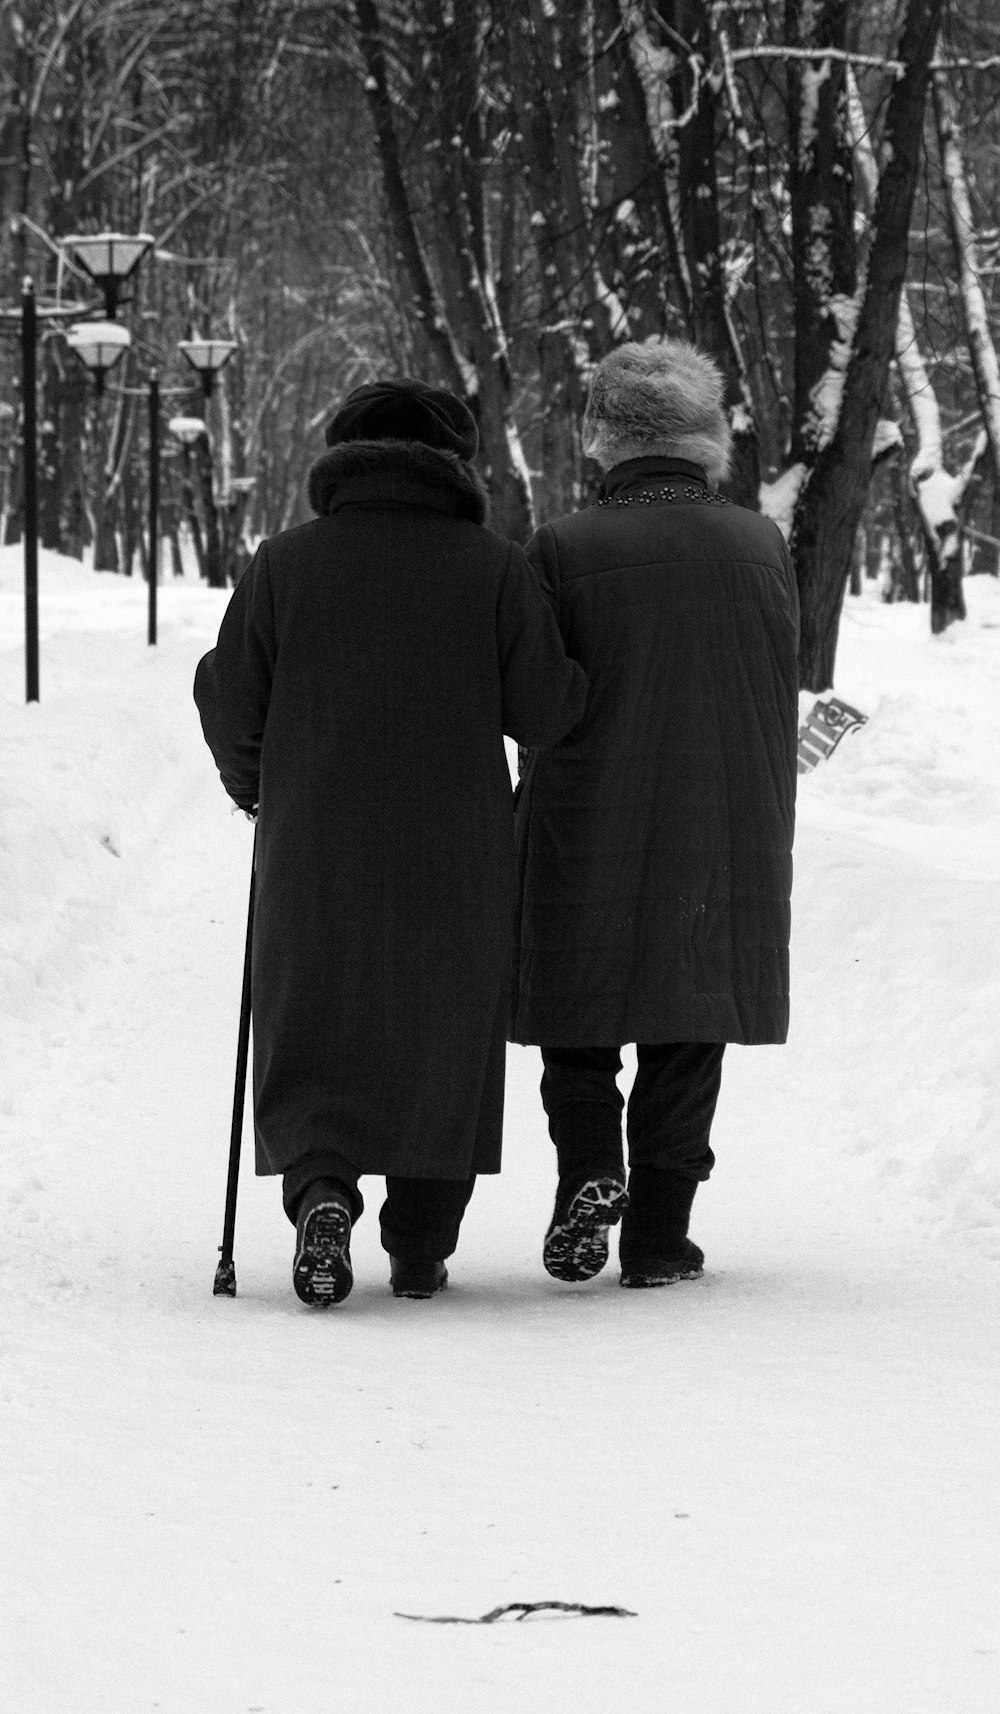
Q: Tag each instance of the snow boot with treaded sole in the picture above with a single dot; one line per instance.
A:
(321, 1272)
(576, 1243)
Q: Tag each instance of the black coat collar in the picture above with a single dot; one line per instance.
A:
(643, 472)
(396, 473)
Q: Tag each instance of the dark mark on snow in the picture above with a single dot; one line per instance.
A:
(519, 1610)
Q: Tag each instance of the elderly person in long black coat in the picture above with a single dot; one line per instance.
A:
(367, 668)
(655, 841)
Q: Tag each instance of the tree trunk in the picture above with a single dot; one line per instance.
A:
(934, 488)
(905, 585)
(833, 495)
(214, 569)
(821, 192)
(51, 446)
(427, 304)
(651, 68)
(479, 370)
(105, 544)
(968, 264)
(73, 519)
(642, 235)
(459, 168)
(189, 512)
(700, 226)
(560, 384)
(133, 542)
(169, 526)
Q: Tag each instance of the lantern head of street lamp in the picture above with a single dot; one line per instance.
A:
(207, 356)
(188, 430)
(240, 488)
(99, 344)
(110, 258)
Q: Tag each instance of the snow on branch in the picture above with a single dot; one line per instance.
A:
(778, 499)
(872, 61)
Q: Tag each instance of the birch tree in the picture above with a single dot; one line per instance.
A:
(968, 265)
(934, 488)
(832, 499)
(672, 46)
(473, 356)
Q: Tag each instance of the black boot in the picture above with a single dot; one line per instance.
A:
(576, 1243)
(655, 1248)
(591, 1195)
(416, 1279)
(321, 1272)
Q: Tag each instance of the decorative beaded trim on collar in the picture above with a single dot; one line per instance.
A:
(646, 497)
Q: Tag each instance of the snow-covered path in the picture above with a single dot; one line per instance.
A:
(788, 1470)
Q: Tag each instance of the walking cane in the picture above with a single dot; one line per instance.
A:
(225, 1273)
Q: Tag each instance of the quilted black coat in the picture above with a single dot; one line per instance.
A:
(367, 668)
(655, 842)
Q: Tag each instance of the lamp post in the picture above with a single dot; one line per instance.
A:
(110, 258)
(188, 430)
(193, 434)
(99, 345)
(235, 558)
(30, 464)
(154, 502)
(24, 321)
(207, 356)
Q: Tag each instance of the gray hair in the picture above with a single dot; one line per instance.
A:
(661, 398)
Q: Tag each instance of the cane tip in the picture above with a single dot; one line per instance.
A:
(225, 1280)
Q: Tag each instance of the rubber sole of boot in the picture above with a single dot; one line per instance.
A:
(576, 1244)
(321, 1272)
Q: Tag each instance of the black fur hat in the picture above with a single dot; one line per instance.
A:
(404, 409)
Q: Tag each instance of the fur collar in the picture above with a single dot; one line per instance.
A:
(396, 472)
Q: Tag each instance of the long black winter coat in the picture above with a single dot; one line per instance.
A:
(367, 668)
(655, 842)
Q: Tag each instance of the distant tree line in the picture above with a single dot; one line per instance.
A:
(492, 193)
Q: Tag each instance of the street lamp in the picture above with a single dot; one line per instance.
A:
(29, 334)
(25, 321)
(188, 430)
(99, 344)
(207, 356)
(110, 258)
(193, 434)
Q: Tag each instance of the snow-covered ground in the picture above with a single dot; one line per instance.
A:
(787, 1471)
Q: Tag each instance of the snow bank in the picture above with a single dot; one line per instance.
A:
(89, 773)
(896, 939)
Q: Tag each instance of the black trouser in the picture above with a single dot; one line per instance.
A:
(420, 1217)
(670, 1108)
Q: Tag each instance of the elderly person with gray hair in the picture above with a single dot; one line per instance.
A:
(655, 841)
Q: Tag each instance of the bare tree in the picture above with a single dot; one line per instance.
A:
(833, 497)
